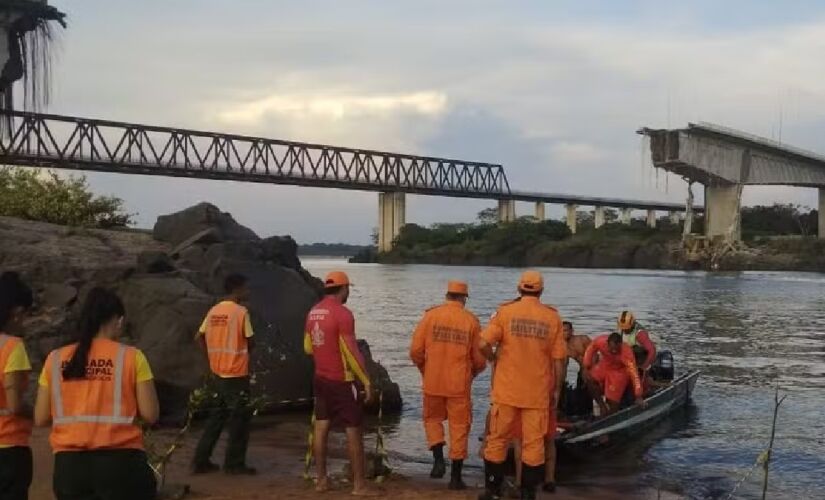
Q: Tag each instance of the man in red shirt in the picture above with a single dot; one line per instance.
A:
(330, 339)
(616, 367)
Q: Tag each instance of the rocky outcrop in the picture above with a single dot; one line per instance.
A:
(168, 279)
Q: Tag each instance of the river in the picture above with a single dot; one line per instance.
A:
(746, 332)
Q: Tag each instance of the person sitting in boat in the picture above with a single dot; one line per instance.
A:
(609, 366)
(575, 399)
(637, 338)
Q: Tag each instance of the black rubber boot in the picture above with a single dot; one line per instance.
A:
(439, 466)
(549, 487)
(493, 477)
(531, 477)
(456, 483)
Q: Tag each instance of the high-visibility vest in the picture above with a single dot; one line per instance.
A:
(14, 430)
(225, 340)
(97, 411)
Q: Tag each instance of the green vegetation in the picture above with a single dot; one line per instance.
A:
(331, 249)
(43, 196)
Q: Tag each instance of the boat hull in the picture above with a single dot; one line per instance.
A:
(602, 434)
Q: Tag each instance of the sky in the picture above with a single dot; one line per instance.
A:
(553, 91)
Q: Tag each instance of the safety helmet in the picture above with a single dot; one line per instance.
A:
(626, 321)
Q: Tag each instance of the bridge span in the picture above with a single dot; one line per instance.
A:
(75, 143)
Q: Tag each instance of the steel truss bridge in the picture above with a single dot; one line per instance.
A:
(74, 143)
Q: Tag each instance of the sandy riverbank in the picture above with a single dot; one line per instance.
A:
(277, 450)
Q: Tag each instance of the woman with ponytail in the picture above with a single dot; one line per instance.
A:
(93, 392)
(15, 416)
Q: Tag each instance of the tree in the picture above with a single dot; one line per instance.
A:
(44, 196)
(488, 216)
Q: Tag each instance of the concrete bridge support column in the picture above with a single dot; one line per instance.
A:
(821, 212)
(651, 218)
(540, 211)
(392, 209)
(624, 216)
(598, 217)
(506, 210)
(571, 217)
(722, 211)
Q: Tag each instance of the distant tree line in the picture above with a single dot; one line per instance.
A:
(331, 249)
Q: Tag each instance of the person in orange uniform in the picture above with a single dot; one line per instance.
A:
(330, 339)
(616, 367)
(445, 350)
(93, 392)
(15, 417)
(227, 333)
(637, 338)
(527, 383)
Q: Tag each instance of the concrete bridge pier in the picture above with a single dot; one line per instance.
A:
(540, 211)
(822, 212)
(651, 218)
(722, 212)
(625, 215)
(571, 217)
(506, 210)
(598, 217)
(392, 209)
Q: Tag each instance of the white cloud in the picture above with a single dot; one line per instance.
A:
(332, 107)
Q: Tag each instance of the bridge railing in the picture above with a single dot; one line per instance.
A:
(56, 141)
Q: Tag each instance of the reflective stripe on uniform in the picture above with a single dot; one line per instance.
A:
(4, 412)
(114, 418)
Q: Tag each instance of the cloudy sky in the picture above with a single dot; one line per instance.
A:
(554, 91)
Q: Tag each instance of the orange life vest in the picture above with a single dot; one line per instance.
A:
(97, 411)
(14, 430)
(225, 340)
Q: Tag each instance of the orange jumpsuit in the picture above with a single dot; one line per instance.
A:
(530, 339)
(445, 349)
(612, 371)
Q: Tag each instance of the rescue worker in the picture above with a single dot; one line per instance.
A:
(93, 392)
(330, 339)
(15, 416)
(226, 334)
(637, 338)
(526, 384)
(610, 375)
(445, 349)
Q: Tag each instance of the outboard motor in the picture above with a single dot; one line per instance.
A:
(662, 368)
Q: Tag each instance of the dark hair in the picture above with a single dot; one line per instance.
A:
(526, 293)
(101, 306)
(567, 323)
(455, 296)
(233, 282)
(614, 338)
(13, 293)
(332, 290)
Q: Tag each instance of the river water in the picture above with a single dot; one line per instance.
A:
(746, 332)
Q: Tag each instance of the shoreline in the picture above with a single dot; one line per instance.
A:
(277, 448)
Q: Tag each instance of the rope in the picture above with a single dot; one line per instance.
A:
(310, 439)
(760, 460)
(381, 462)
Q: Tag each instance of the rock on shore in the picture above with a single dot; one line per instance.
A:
(168, 279)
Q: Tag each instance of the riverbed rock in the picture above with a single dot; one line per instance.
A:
(168, 279)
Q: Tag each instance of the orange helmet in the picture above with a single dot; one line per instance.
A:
(626, 321)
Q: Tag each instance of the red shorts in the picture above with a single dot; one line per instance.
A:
(338, 402)
(613, 381)
(552, 426)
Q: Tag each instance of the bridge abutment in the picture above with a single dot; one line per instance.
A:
(651, 218)
(571, 217)
(392, 209)
(722, 212)
(598, 217)
(539, 211)
(506, 210)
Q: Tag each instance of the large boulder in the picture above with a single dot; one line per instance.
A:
(168, 280)
(178, 227)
